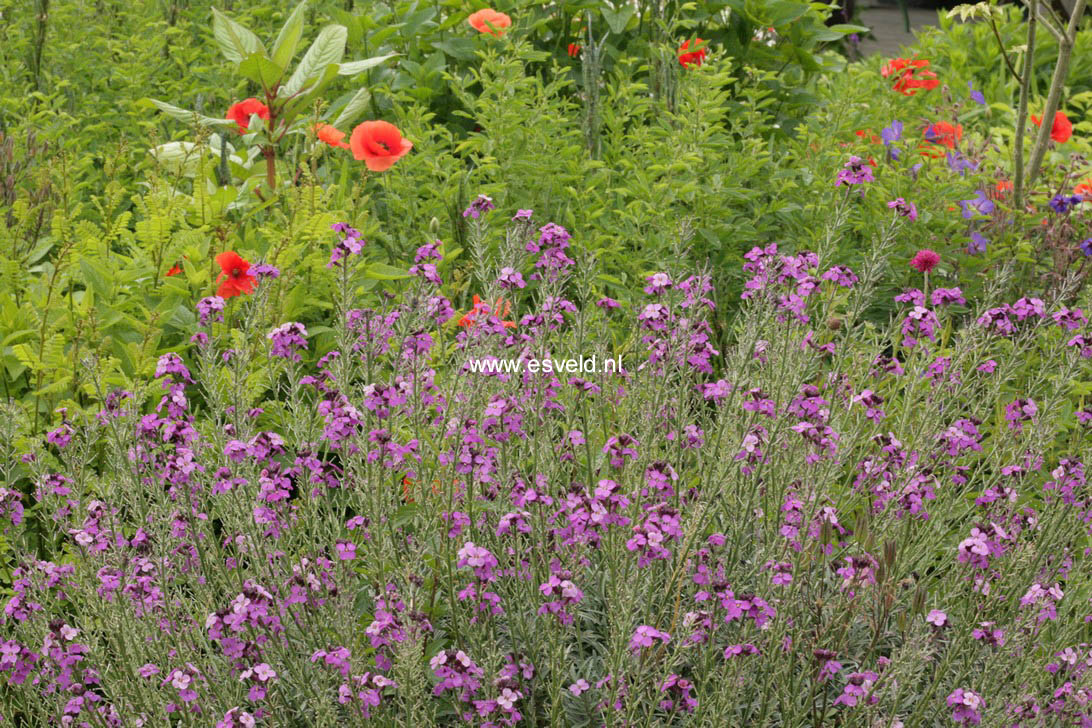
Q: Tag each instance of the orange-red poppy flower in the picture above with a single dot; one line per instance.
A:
(911, 75)
(942, 133)
(234, 278)
(379, 144)
(241, 112)
(331, 135)
(867, 134)
(1000, 189)
(499, 308)
(407, 483)
(1061, 130)
(175, 270)
(1084, 189)
(574, 50)
(689, 57)
(486, 17)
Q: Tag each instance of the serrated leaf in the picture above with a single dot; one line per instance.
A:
(328, 47)
(352, 68)
(284, 48)
(353, 109)
(235, 41)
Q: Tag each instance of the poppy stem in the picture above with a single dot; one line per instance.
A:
(270, 166)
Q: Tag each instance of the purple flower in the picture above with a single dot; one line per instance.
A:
(978, 243)
(976, 96)
(646, 636)
(947, 296)
(209, 307)
(522, 215)
(965, 705)
(580, 686)
(351, 243)
(937, 618)
(904, 208)
(510, 278)
(428, 272)
(979, 203)
(265, 270)
(856, 172)
(657, 284)
(287, 340)
(611, 303)
(1086, 247)
(428, 251)
(890, 135)
(842, 275)
(1062, 203)
(479, 207)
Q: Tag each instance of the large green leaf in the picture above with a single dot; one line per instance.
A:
(618, 19)
(235, 41)
(354, 67)
(261, 70)
(284, 48)
(353, 109)
(187, 116)
(329, 47)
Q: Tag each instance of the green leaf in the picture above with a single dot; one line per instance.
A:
(384, 272)
(353, 109)
(328, 48)
(94, 274)
(189, 117)
(354, 67)
(617, 20)
(177, 156)
(284, 48)
(261, 70)
(235, 41)
(461, 49)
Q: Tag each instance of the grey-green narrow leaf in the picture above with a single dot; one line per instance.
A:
(235, 41)
(353, 109)
(328, 48)
(354, 67)
(284, 48)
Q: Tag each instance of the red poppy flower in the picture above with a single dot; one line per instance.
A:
(911, 74)
(574, 50)
(486, 17)
(1061, 130)
(407, 482)
(234, 276)
(241, 112)
(867, 134)
(331, 135)
(175, 270)
(379, 144)
(1000, 189)
(688, 57)
(942, 133)
(500, 308)
(924, 261)
(1084, 189)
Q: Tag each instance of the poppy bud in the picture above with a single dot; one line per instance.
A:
(834, 323)
(434, 227)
